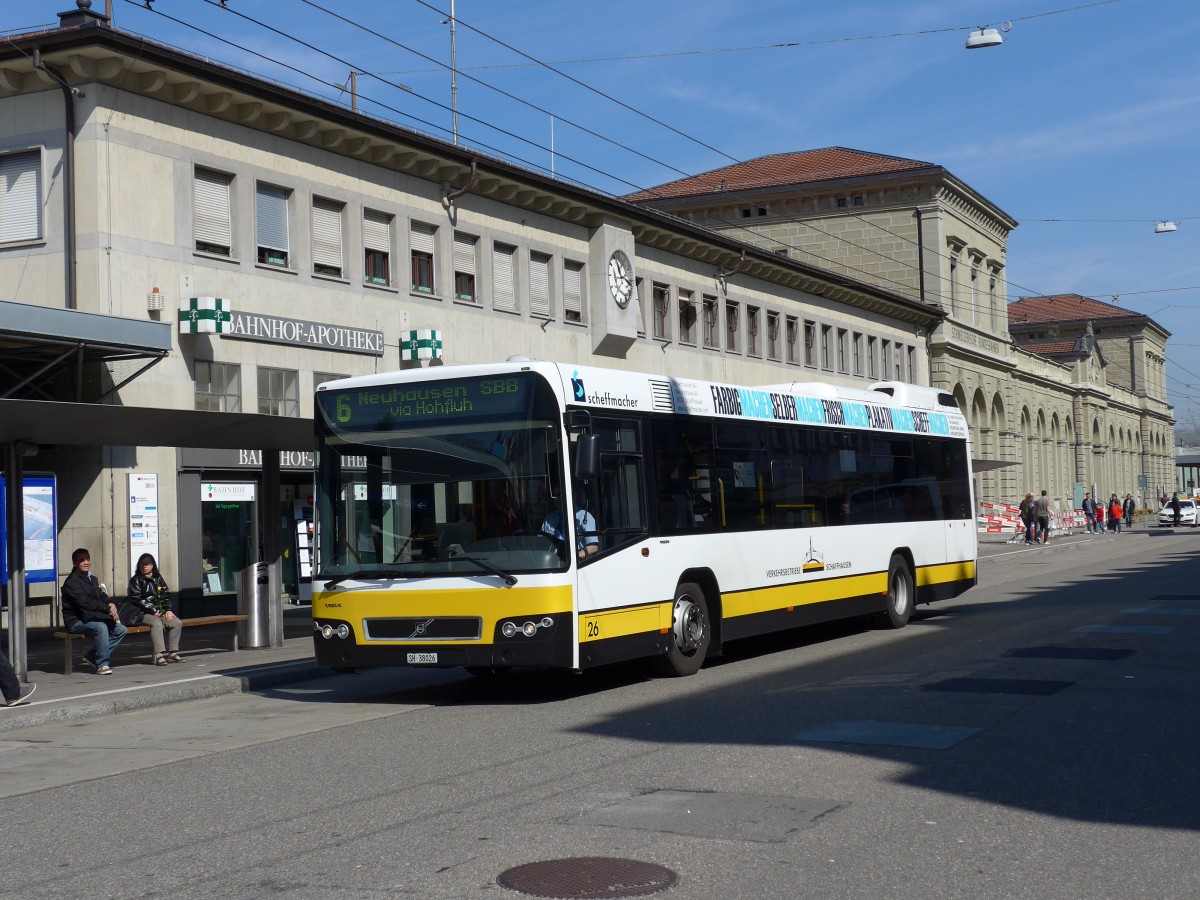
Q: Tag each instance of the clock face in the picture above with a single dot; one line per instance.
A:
(620, 278)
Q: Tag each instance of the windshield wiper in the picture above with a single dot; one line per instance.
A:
(510, 580)
(358, 573)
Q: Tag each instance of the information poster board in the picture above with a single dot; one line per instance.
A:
(41, 529)
(143, 517)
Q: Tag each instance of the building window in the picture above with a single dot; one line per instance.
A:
(423, 239)
(859, 200)
(872, 360)
(319, 378)
(539, 284)
(211, 211)
(687, 318)
(792, 337)
(856, 344)
(572, 291)
(773, 335)
(327, 237)
(641, 308)
(271, 209)
(753, 324)
(953, 285)
(662, 311)
(975, 317)
(885, 359)
(377, 247)
(898, 361)
(810, 343)
(843, 347)
(912, 365)
(218, 387)
(710, 321)
(278, 392)
(465, 249)
(826, 347)
(504, 277)
(731, 326)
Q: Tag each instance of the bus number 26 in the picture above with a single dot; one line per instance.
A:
(593, 629)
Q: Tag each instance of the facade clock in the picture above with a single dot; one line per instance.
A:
(620, 278)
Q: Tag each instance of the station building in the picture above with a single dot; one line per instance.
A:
(1062, 393)
(187, 250)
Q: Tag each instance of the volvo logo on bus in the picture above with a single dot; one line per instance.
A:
(420, 629)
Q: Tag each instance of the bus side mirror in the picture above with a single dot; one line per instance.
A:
(587, 457)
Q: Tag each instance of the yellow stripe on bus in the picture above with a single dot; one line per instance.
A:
(611, 623)
(491, 604)
(946, 573)
(745, 603)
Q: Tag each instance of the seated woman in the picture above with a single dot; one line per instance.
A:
(149, 604)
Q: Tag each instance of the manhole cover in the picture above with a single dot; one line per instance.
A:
(588, 877)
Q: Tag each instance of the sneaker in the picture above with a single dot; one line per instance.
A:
(104, 670)
(23, 697)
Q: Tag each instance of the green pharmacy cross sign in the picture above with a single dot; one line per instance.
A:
(203, 315)
(424, 343)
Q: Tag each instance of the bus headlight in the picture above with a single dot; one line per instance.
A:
(508, 629)
(529, 629)
(327, 631)
(343, 631)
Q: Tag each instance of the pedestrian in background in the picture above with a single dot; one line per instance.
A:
(14, 693)
(1041, 508)
(1129, 508)
(1099, 518)
(149, 604)
(1115, 513)
(1089, 511)
(87, 610)
(1027, 517)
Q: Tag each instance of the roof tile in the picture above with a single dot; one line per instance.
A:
(1064, 308)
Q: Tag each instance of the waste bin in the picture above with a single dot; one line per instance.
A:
(254, 602)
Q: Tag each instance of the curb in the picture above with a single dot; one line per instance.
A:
(212, 684)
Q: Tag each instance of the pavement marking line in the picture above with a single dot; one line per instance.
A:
(135, 687)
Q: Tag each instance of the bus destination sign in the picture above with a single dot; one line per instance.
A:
(370, 408)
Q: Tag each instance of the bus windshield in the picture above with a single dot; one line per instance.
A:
(445, 478)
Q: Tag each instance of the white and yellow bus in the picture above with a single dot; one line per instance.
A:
(703, 513)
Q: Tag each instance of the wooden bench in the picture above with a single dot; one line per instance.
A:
(69, 637)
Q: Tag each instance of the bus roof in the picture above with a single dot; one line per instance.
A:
(888, 406)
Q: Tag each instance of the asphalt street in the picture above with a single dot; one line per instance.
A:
(1035, 738)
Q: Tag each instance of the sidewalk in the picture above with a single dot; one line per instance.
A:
(209, 670)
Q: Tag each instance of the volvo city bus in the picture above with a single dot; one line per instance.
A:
(695, 513)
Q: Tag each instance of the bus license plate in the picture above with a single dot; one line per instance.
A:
(414, 658)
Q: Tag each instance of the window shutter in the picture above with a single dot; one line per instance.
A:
(573, 291)
(422, 238)
(377, 231)
(539, 284)
(271, 207)
(20, 196)
(327, 233)
(504, 295)
(464, 254)
(212, 208)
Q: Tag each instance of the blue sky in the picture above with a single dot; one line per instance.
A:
(1090, 115)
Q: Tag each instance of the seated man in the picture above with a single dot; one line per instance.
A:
(587, 543)
(87, 610)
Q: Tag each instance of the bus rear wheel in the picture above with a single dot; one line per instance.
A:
(691, 632)
(901, 594)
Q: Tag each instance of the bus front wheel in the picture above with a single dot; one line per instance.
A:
(691, 632)
(901, 594)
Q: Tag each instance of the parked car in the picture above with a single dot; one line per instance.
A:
(1187, 513)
